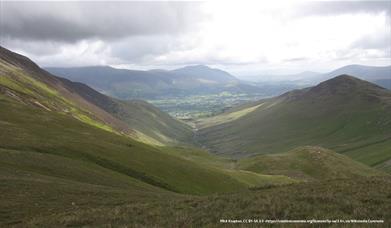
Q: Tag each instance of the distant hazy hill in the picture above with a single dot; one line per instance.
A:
(128, 84)
(26, 82)
(385, 83)
(201, 72)
(380, 75)
(346, 114)
(299, 77)
(369, 73)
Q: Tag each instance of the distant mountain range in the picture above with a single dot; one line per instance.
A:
(200, 80)
(127, 84)
(380, 75)
(190, 80)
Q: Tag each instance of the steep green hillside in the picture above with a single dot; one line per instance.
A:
(308, 163)
(40, 116)
(344, 114)
(51, 163)
(24, 81)
(151, 125)
(32, 131)
(154, 123)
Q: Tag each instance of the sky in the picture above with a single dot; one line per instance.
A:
(242, 37)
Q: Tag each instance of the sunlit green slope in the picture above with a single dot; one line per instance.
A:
(345, 114)
(32, 131)
(23, 80)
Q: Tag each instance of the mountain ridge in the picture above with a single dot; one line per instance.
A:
(206, 72)
(130, 84)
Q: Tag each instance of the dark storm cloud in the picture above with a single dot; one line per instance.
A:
(74, 21)
(182, 33)
(139, 48)
(324, 8)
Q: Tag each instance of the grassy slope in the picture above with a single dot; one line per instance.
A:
(226, 117)
(35, 184)
(361, 198)
(30, 85)
(48, 138)
(308, 163)
(24, 130)
(229, 167)
(151, 125)
(24, 80)
(51, 155)
(152, 122)
(344, 114)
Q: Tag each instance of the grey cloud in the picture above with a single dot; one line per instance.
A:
(74, 21)
(211, 59)
(360, 54)
(31, 46)
(376, 41)
(139, 48)
(325, 8)
(139, 33)
(298, 59)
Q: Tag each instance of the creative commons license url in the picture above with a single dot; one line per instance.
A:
(310, 221)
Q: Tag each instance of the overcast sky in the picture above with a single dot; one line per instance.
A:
(242, 37)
